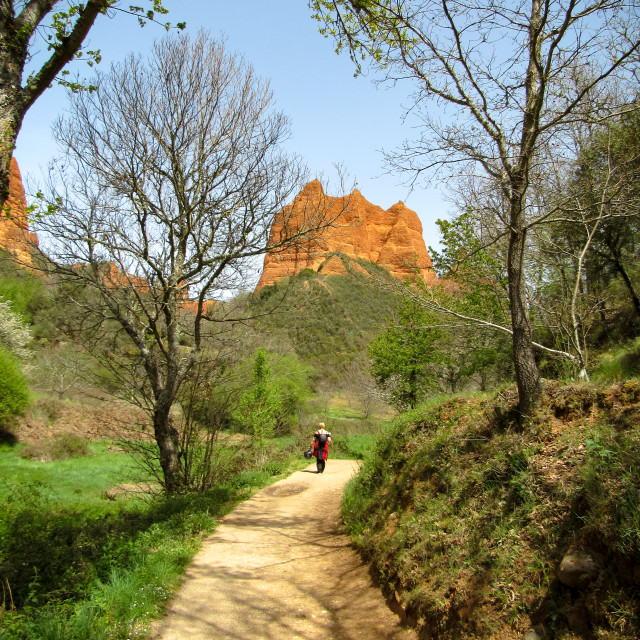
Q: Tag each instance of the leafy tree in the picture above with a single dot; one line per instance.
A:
(270, 405)
(259, 405)
(63, 25)
(471, 266)
(171, 178)
(403, 358)
(512, 79)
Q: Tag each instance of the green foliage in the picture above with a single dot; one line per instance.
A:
(477, 270)
(258, 406)
(62, 23)
(620, 364)
(343, 19)
(25, 292)
(51, 554)
(471, 301)
(269, 405)
(464, 257)
(453, 503)
(30, 298)
(14, 389)
(403, 357)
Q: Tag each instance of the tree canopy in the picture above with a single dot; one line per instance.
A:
(24, 75)
(512, 79)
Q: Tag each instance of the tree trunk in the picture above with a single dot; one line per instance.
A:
(526, 369)
(7, 144)
(625, 276)
(11, 101)
(168, 441)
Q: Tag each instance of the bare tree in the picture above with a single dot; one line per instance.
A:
(60, 370)
(171, 178)
(511, 77)
(60, 27)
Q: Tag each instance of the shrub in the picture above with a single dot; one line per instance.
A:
(60, 448)
(69, 446)
(620, 365)
(14, 390)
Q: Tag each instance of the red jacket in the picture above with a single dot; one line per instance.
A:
(324, 451)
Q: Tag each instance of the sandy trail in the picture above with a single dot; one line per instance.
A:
(280, 567)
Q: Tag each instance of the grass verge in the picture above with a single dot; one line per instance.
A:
(467, 516)
(75, 565)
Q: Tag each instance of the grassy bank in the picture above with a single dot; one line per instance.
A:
(77, 562)
(467, 517)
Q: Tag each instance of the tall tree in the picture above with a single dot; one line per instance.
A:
(611, 156)
(171, 177)
(404, 358)
(63, 25)
(511, 77)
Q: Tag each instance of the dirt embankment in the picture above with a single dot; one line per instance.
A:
(102, 418)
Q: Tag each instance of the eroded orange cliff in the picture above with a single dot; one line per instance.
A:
(360, 229)
(14, 224)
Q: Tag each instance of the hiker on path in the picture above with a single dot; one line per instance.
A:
(320, 444)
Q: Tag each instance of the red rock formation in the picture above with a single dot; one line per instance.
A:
(14, 223)
(114, 278)
(392, 238)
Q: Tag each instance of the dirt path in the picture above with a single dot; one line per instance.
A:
(280, 567)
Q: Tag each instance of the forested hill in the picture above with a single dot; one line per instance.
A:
(328, 320)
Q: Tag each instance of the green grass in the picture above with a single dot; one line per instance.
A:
(468, 516)
(343, 413)
(80, 566)
(354, 447)
(78, 482)
(621, 364)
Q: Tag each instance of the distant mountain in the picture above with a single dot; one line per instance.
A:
(392, 238)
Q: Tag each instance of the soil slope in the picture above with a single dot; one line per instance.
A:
(281, 567)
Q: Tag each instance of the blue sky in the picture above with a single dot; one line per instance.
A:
(335, 118)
